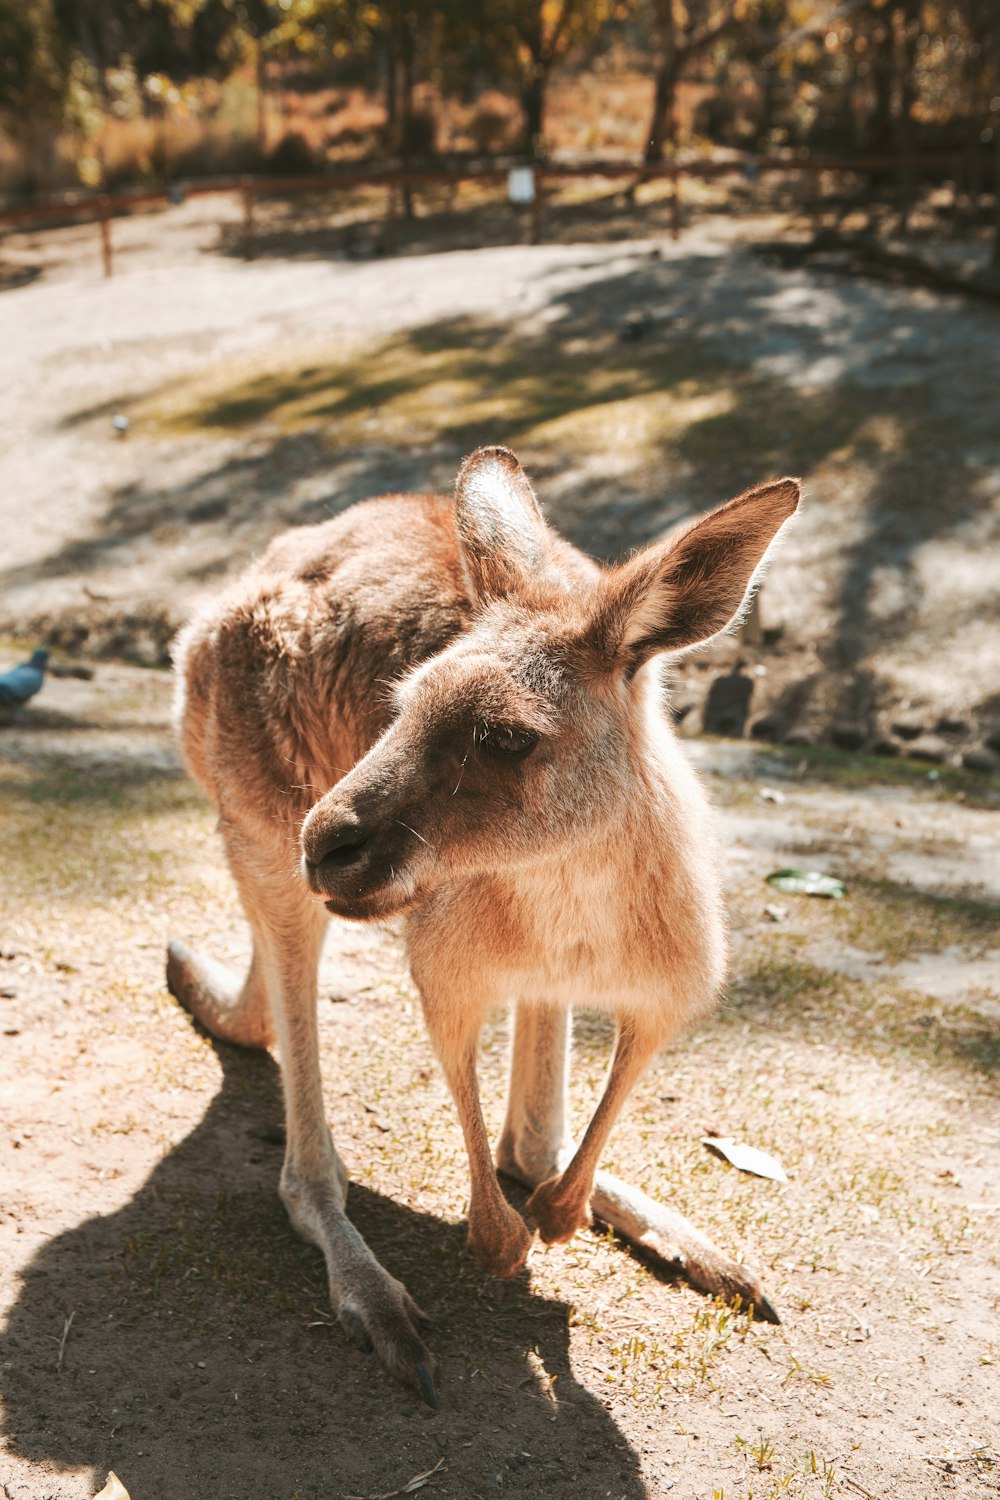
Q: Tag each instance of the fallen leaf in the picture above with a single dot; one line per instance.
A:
(807, 883)
(113, 1490)
(746, 1158)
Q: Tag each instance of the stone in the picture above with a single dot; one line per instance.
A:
(767, 727)
(949, 725)
(930, 749)
(908, 729)
(886, 745)
(980, 758)
(727, 706)
(803, 738)
(847, 736)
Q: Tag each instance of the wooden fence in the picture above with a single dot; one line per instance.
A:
(102, 208)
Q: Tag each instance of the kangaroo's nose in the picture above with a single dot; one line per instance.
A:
(333, 847)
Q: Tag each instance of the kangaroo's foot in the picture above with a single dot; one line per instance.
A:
(210, 992)
(374, 1309)
(666, 1237)
(498, 1240)
(558, 1211)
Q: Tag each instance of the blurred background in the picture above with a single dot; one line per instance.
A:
(107, 93)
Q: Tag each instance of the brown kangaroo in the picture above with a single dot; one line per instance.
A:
(517, 797)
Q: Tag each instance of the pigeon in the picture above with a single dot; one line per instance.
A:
(24, 681)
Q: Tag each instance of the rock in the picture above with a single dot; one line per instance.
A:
(980, 758)
(886, 745)
(635, 326)
(908, 729)
(930, 749)
(848, 736)
(949, 725)
(801, 737)
(83, 674)
(767, 727)
(727, 705)
(993, 741)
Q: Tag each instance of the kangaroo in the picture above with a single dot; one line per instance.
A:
(460, 721)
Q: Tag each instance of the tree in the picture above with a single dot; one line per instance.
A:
(527, 38)
(682, 35)
(35, 64)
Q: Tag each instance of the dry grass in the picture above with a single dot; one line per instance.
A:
(868, 1107)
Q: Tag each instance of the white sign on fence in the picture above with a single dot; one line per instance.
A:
(521, 184)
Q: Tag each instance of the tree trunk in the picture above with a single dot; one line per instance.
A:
(907, 28)
(662, 125)
(880, 130)
(261, 101)
(533, 108)
(406, 112)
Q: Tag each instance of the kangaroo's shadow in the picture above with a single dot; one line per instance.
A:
(202, 1360)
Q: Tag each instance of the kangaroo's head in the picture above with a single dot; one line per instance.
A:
(524, 739)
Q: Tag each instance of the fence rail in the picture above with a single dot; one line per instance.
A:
(102, 208)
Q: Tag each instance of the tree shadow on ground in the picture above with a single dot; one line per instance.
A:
(202, 1358)
(625, 436)
(356, 224)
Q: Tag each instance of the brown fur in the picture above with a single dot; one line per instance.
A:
(461, 719)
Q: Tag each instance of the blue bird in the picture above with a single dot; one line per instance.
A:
(23, 682)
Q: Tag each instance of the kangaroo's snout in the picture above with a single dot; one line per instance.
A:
(355, 853)
(337, 849)
(334, 845)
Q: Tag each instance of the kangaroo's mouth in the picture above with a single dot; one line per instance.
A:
(358, 890)
(371, 906)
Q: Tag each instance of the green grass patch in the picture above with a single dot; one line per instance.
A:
(896, 921)
(824, 765)
(880, 1020)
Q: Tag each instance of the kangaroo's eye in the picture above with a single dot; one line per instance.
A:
(507, 739)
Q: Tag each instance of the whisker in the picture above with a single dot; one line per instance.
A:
(416, 835)
(461, 773)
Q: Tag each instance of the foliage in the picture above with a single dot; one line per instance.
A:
(869, 75)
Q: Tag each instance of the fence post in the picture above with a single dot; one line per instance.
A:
(248, 224)
(536, 209)
(392, 220)
(104, 221)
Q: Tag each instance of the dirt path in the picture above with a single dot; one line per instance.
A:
(161, 1319)
(640, 380)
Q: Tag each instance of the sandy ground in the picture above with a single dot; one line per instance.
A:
(279, 391)
(159, 1316)
(161, 1319)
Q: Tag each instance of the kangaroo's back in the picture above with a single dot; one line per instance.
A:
(283, 680)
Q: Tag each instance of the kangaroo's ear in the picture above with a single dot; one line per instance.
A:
(682, 591)
(502, 533)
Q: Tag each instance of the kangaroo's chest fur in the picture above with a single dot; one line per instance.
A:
(633, 920)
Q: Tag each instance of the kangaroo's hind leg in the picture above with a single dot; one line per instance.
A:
(535, 1147)
(288, 927)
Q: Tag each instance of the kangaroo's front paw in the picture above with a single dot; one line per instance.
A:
(499, 1242)
(557, 1214)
